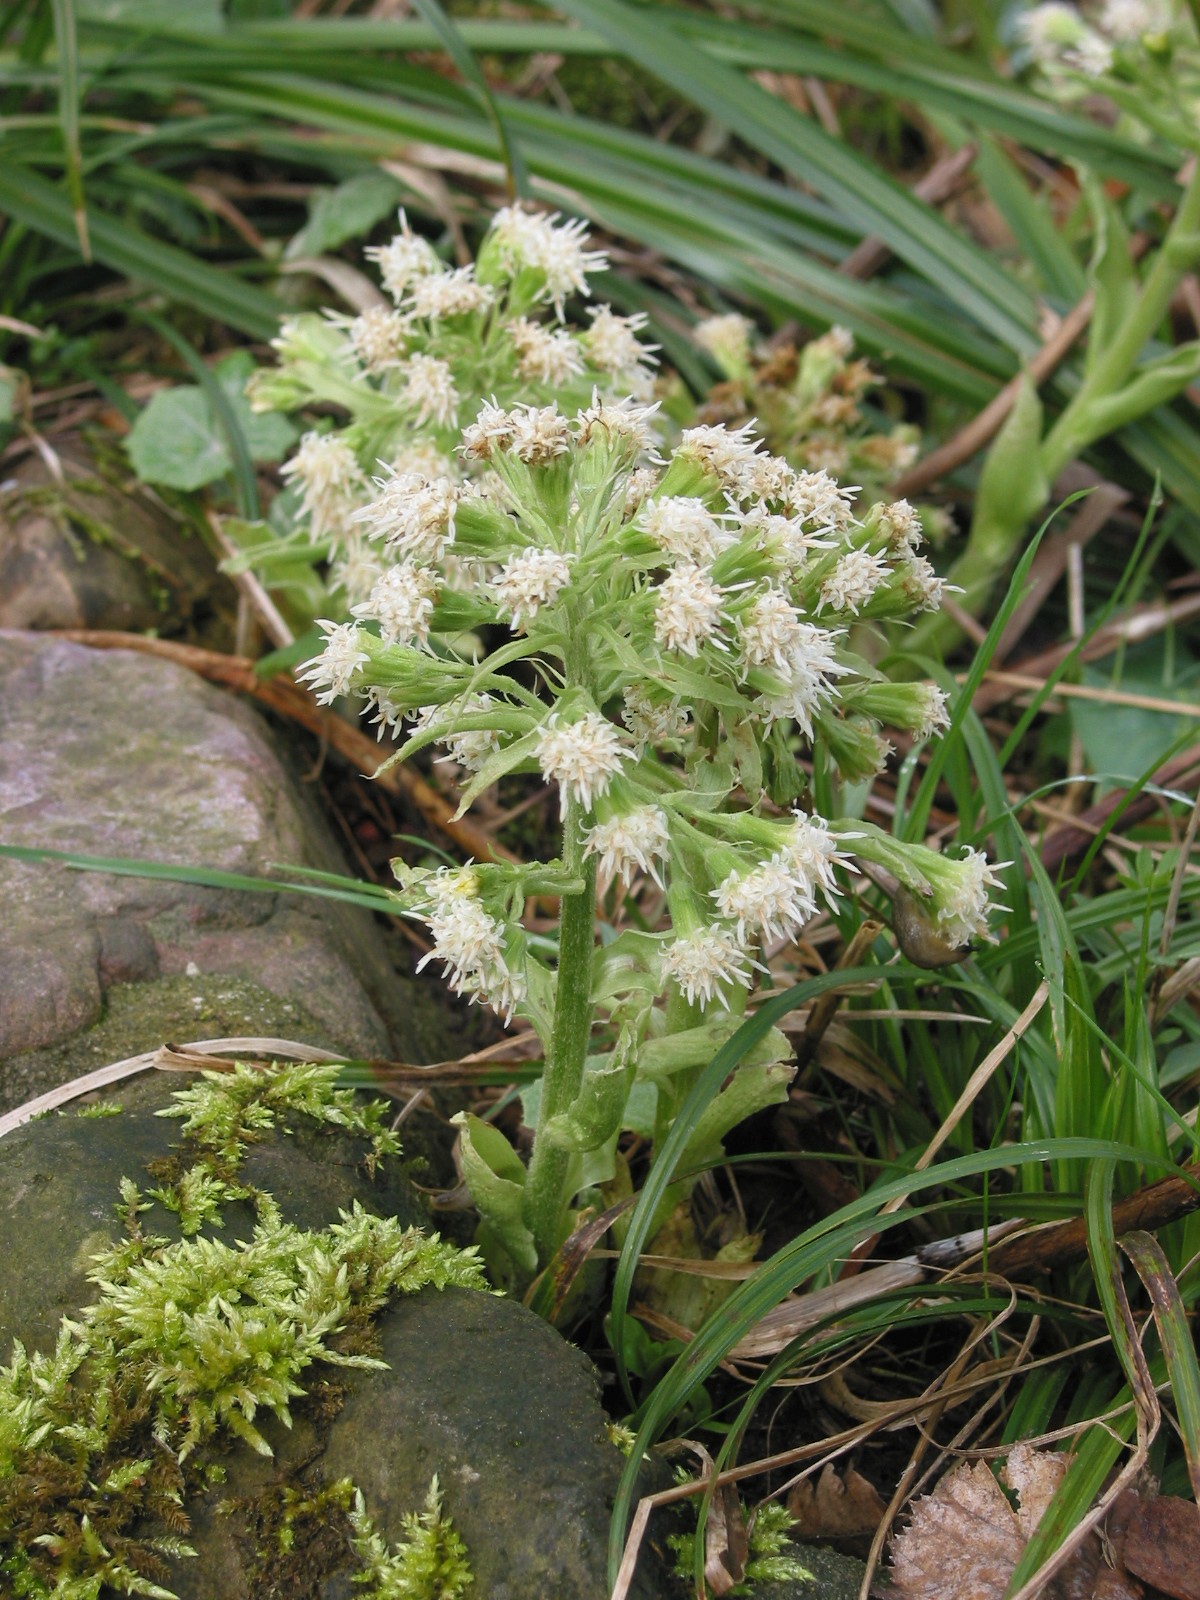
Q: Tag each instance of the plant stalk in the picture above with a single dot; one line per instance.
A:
(546, 1182)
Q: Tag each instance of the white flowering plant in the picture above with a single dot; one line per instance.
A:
(652, 637)
(407, 373)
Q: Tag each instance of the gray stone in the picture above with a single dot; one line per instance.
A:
(113, 754)
(834, 1577)
(90, 547)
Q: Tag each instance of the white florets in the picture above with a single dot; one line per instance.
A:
(556, 249)
(770, 632)
(470, 941)
(772, 900)
(853, 581)
(820, 500)
(429, 390)
(684, 528)
(582, 757)
(706, 963)
(901, 527)
(961, 894)
(812, 853)
(414, 516)
(469, 747)
(936, 713)
(613, 346)
(538, 434)
(326, 469)
(377, 336)
(402, 603)
(923, 589)
(728, 452)
(530, 580)
(1130, 20)
(449, 294)
(727, 338)
(354, 569)
(687, 610)
(807, 684)
(545, 355)
(636, 841)
(403, 259)
(331, 674)
(611, 423)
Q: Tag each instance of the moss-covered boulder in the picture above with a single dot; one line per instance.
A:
(476, 1392)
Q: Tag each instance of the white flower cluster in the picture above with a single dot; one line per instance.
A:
(706, 613)
(469, 941)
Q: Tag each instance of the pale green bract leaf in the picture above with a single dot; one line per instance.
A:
(176, 441)
(352, 208)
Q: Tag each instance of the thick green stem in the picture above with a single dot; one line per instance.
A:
(1072, 433)
(992, 543)
(545, 1198)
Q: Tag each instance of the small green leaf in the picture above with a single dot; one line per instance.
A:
(268, 435)
(496, 1178)
(347, 212)
(176, 441)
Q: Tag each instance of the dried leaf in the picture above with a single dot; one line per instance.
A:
(726, 1541)
(962, 1543)
(1162, 1546)
(833, 1507)
(1033, 1475)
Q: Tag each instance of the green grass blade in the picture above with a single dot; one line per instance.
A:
(1175, 1336)
(459, 52)
(964, 273)
(118, 245)
(348, 890)
(69, 99)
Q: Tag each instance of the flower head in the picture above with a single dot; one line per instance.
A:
(687, 610)
(727, 338)
(414, 516)
(773, 900)
(470, 942)
(960, 894)
(401, 601)
(529, 581)
(613, 346)
(429, 390)
(403, 259)
(633, 841)
(706, 963)
(448, 294)
(555, 249)
(853, 581)
(331, 674)
(545, 355)
(538, 434)
(683, 527)
(653, 721)
(326, 470)
(469, 747)
(378, 338)
(812, 853)
(582, 757)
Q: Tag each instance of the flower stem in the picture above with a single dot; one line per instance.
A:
(545, 1185)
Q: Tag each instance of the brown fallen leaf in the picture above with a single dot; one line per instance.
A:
(835, 1507)
(965, 1539)
(1162, 1546)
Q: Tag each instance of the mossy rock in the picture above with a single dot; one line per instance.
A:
(59, 1187)
(477, 1390)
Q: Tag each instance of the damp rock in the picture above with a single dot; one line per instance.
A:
(115, 755)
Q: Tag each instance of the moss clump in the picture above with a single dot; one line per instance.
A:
(769, 1559)
(185, 1345)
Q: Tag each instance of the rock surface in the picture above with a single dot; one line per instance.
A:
(478, 1390)
(112, 754)
(80, 551)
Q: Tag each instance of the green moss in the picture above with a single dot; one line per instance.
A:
(771, 1557)
(188, 1344)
